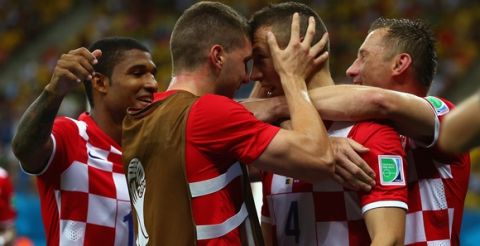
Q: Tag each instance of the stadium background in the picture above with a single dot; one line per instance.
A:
(33, 35)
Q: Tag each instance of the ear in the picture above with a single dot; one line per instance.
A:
(402, 62)
(100, 83)
(216, 56)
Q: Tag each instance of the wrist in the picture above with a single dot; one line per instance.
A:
(52, 91)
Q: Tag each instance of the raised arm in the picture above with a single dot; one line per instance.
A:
(462, 121)
(303, 152)
(386, 226)
(32, 144)
(408, 114)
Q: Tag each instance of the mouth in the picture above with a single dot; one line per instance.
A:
(145, 100)
(357, 82)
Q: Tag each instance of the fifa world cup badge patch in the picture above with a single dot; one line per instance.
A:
(391, 170)
(440, 107)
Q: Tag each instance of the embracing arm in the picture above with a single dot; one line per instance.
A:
(386, 226)
(462, 121)
(410, 115)
(32, 144)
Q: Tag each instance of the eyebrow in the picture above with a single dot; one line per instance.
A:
(142, 67)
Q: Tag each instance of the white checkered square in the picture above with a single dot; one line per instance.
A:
(121, 186)
(97, 210)
(439, 243)
(304, 211)
(281, 184)
(414, 228)
(432, 194)
(99, 158)
(123, 221)
(73, 233)
(75, 178)
(334, 233)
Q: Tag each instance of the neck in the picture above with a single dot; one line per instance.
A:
(198, 82)
(408, 84)
(110, 124)
(320, 79)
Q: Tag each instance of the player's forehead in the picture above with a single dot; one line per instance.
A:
(260, 43)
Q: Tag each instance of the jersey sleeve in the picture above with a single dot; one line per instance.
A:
(62, 130)
(441, 107)
(387, 158)
(218, 124)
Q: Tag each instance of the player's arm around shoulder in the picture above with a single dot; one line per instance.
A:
(462, 121)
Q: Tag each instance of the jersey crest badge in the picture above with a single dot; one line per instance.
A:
(440, 107)
(391, 170)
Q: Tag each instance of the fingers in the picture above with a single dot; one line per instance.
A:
(295, 32)
(350, 181)
(78, 62)
(320, 45)
(310, 31)
(357, 147)
(272, 43)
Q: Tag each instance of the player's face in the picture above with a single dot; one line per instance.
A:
(132, 81)
(235, 71)
(263, 69)
(372, 66)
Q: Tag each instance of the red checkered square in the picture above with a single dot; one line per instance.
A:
(414, 201)
(436, 224)
(101, 182)
(361, 237)
(329, 206)
(100, 235)
(74, 210)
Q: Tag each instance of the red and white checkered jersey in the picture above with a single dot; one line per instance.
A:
(7, 213)
(219, 133)
(83, 190)
(325, 213)
(437, 186)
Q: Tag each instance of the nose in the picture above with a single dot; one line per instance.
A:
(256, 74)
(151, 84)
(352, 71)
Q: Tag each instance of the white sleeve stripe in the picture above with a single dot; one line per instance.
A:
(205, 187)
(383, 204)
(436, 128)
(49, 159)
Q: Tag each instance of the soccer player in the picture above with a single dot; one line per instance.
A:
(296, 212)
(399, 54)
(80, 178)
(181, 152)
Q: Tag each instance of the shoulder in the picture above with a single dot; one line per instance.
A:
(219, 107)
(365, 130)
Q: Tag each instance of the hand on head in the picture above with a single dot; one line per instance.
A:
(300, 57)
(73, 68)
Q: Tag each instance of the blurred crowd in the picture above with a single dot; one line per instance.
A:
(24, 21)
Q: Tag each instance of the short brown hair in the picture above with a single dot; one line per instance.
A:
(201, 26)
(415, 38)
(279, 18)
